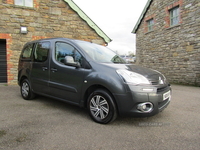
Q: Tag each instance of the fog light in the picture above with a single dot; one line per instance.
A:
(145, 107)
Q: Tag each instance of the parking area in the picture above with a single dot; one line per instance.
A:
(47, 124)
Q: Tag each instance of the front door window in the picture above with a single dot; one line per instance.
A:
(65, 49)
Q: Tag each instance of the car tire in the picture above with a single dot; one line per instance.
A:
(101, 106)
(26, 90)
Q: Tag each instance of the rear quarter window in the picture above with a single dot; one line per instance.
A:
(27, 51)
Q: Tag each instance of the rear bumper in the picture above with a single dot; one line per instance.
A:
(128, 104)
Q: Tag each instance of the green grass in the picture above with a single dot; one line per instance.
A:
(2, 133)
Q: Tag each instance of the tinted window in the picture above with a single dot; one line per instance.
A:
(27, 51)
(41, 51)
(64, 49)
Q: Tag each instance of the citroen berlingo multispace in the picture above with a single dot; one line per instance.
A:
(91, 76)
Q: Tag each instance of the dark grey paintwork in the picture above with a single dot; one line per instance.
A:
(74, 84)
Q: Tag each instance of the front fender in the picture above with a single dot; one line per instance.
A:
(113, 83)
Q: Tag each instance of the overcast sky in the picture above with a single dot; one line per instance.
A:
(117, 19)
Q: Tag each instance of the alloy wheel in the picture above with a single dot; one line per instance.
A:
(99, 107)
(25, 89)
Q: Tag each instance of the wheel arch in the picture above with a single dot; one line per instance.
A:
(21, 79)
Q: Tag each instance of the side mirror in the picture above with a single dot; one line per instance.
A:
(69, 60)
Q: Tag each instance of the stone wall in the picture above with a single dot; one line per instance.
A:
(174, 51)
(46, 19)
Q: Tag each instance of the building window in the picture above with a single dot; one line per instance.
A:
(27, 3)
(174, 16)
(150, 24)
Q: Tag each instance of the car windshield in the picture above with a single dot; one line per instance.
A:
(100, 53)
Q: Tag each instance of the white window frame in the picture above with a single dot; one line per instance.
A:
(174, 16)
(26, 3)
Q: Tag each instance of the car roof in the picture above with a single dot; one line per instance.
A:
(51, 39)
(55, 39)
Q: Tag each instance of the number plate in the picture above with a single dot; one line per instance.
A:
(167, 95)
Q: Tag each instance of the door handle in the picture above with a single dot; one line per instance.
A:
(44, 68)
(53, 69)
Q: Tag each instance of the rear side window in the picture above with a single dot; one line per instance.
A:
(27, 51)
(41, 51)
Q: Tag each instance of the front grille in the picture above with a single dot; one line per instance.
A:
(162, 89)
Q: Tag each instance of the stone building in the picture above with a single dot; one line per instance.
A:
(26, 20)
(168, 39)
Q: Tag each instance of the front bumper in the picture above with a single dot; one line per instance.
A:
(128, 103)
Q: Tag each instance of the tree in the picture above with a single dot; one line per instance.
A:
(131, 54)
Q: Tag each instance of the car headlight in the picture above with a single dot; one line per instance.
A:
(132, 77)
(163, 79)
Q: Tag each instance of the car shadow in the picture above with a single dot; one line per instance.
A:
(47, 102)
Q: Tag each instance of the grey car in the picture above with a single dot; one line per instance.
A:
(91, 76)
